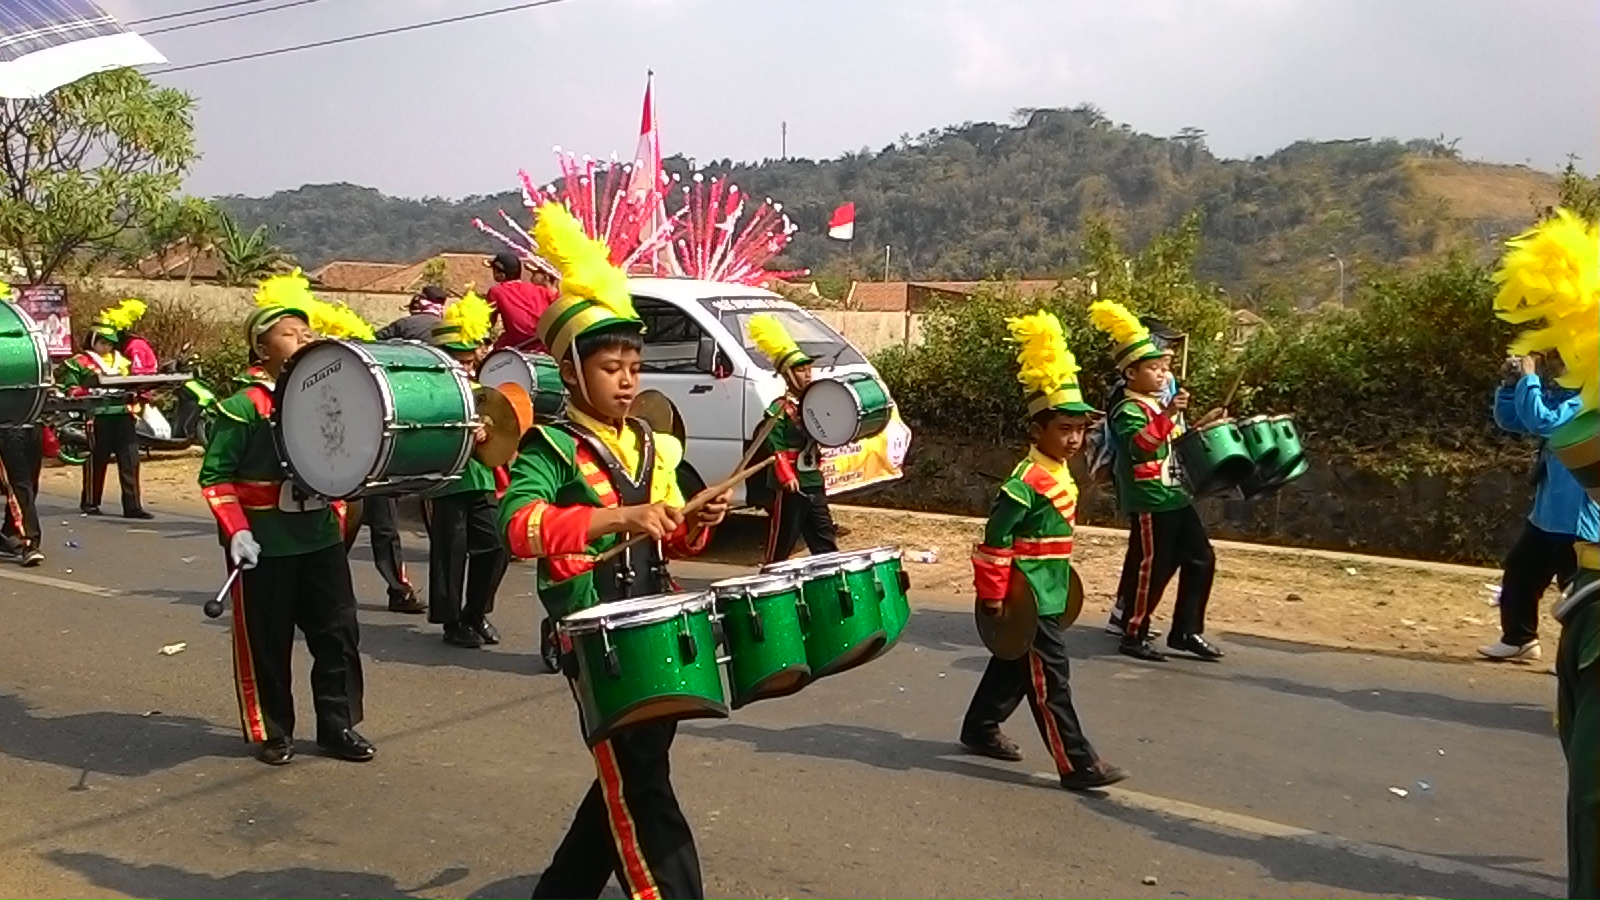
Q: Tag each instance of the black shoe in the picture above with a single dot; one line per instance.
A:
(138, 514)
(276, 751)
(348, 746)
(410, 604)
(457, 634)
(485, 629)
(1195, 644)
(90, 510)
(994, 745)
(1141, 650)
(549, 647)
(31, 557)
(1101, 774)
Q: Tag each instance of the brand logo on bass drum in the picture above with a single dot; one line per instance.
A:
(320, 374)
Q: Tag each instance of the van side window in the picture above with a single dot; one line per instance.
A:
(673, 341)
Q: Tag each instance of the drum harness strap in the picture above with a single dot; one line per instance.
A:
(630, 492)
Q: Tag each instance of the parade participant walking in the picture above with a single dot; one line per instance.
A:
(800, 501)
(425, 310)
(1026, 556)
(466, 559)
(110, 427)
(1529, 401)
(142, 358)
(518, 305)
(21, 460)
(296, 573)
(1166, 535)
(576, 490)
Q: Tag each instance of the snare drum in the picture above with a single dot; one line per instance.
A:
(536, 373)
(844, 625)
(645, 660)
(354, 419)
(763, 626)
(1213, 458)
(843, 410)
(24, 367)
(1261, 442)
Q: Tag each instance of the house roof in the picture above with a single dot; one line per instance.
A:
(351, 275)
(461, 271)
(172, 261)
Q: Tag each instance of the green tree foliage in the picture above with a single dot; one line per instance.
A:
(191, 221)
(1580, 193)
(247, 257)
(87, 170)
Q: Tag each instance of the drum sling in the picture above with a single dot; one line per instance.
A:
(617, 579)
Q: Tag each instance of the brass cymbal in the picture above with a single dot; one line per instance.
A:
(520, 401)
(500, 418)
(656, 409)
(1074, 600)
(1009, 633)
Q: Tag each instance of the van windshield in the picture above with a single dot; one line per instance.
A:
(821, 343)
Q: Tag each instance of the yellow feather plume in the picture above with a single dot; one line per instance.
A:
(291, 289)
(124, 314)
(5, 292)
(584, 263)
(1114, 319)
(1042, 355)
(1551, 274)
(770, 337)
(470, 316)
(334, 320)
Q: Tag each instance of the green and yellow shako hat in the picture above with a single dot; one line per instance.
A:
(465, 324)
(773, 340)
(1130, 339)
(594, 293)
(1046, 368)
(111, 323)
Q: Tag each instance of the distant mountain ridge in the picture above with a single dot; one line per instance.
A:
(984, 199)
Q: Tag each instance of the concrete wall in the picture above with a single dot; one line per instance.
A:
(871, 331)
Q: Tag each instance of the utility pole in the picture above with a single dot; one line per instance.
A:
(1335, 258)
(886, 263)
(784, 153)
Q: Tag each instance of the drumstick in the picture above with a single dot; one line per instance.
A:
(213, 607)
(757, 442)
(1233, 390)
(693, 506)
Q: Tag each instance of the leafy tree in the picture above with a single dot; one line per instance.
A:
(88, 169)
(434, 272)
(1579, 193)
(190, 222)
(247, 258)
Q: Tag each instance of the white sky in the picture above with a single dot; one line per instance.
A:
(457, 109)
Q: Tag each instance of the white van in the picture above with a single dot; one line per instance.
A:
(698, 352)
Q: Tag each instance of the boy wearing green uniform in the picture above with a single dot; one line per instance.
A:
(110, 427)
(800, 501)
(1578, 720)
(292, 553)
(578, 489)
(466, 559)
(1166, 535)
(1026, 557)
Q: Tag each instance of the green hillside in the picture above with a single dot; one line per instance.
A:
(986, 199)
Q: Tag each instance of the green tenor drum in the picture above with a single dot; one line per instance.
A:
(645, 660)
(24, 367)
(844, 610)
(764, 632)
(846, 409)
(1292, 462)
(354, 419)
(537, 374)
(1262, 444)
(894, 586)
(1213, 458)
(1577, 445)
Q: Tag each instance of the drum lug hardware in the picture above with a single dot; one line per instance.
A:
(847, 602)
(613, 666)
(687, 647)
(905, 581)
(758, 630)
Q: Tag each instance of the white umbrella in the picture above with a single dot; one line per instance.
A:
(45, 44)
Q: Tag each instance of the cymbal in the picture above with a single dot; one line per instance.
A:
(1074, 600)
(656, 409)
(520, 401)
(1009, 633)
(500, 418)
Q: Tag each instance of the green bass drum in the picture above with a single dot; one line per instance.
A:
(763, 629)
(536, 373)
(354, 419)
(25, 375)
(644, 660)
(843, 410)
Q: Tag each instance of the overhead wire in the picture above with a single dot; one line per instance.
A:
(228, 17)
(399, 29)
(191, 12)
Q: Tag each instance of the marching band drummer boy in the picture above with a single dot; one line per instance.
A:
(1027, 546)
(800, 504)
(576, 490)
(295, 573)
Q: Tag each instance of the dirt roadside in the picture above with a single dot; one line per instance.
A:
(1395, 607)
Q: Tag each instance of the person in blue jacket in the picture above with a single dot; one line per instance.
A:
(1530, 402)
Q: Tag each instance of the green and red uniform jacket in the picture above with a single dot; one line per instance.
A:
(556, 485)
(82, 371)
(796, 454)
(1143, 465)
(242, 479)
(1029, 535)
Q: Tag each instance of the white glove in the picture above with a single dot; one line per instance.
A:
(244, 550)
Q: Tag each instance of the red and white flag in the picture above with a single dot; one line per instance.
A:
(842, 225)
(647, 175)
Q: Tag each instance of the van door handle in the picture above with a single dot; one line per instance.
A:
(700, 389)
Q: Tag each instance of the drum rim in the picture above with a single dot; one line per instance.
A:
(806, 564)
(588, 621)
(789, 583)
(884, 554)
(385, 397)
(855, 400)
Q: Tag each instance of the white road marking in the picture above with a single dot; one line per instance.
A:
(64, 584)
(1524, 884)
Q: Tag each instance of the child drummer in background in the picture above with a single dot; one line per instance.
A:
(1027, 550)
(292, 552)
(1166, 534)
(466, 559)
(578, 489)
(800, 504)
(110, 430)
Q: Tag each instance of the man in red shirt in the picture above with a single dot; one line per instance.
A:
(517, 303)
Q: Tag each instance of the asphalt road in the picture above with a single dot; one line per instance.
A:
(122, 772)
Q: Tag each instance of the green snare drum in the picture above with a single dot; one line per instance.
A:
(844, 610)
(1213, 458)
(24, 367)
(536, 373)
(893, 585)
(644, 660)
(843, 410)
(763, 628)
(354, 419)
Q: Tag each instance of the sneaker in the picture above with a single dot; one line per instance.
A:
(1114, 627)
(1101, 774)
(408, 603)
(1500, 651)
(994, 746)
(457, 634)
(1141, 650)
(31, 557)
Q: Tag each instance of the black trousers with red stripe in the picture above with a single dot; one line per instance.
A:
(629, 824)
(312, 592)
(1159, 545)
(110, 436)
(381, 515)
(804, 514)
(22, 455)
(466, 559)
(1044, 677)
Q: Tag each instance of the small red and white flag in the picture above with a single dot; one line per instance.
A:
(842, 225)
